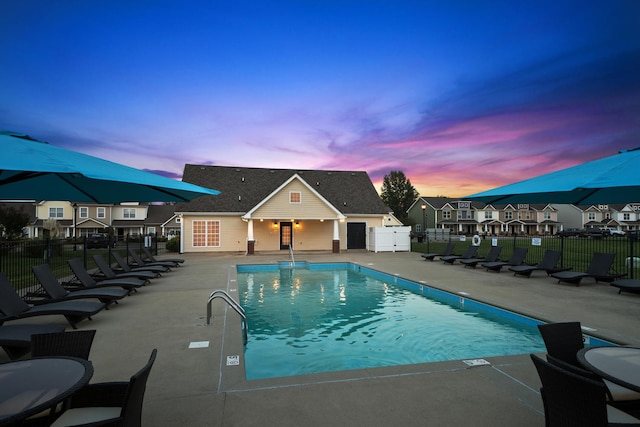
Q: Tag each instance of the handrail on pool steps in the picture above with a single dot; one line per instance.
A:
(221, 293)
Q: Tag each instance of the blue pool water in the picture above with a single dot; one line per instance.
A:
(332, 317)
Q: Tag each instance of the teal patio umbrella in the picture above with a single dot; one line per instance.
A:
(613, 179)
(35, 170)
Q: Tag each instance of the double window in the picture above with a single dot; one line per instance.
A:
(128, 213)
(206, 234)
(56, 212)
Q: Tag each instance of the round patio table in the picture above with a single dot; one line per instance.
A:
(30, 386)
(620, 365)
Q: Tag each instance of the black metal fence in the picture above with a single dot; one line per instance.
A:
(576, 251)
(18, 257)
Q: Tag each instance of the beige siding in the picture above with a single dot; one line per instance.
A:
(278, 207)
(233, 234)
(308, 235)
(140, 212)
(43, 210)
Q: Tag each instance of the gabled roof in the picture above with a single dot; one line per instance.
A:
(284, 184)
(450, 202)
(242, 189)
(159, 214)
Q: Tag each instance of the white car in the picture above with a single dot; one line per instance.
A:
(614, 232)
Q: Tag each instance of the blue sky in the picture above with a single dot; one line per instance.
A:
(460, 95)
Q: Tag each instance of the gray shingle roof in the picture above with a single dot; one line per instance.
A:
(350, 192)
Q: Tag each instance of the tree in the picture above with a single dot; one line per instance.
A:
(12, 222)
(398, 194)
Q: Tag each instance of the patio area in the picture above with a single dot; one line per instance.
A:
(194, 387)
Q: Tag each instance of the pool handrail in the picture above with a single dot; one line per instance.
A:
(221, 293)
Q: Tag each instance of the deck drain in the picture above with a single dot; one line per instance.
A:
(199, 344)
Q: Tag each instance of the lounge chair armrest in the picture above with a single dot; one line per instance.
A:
(107, 394)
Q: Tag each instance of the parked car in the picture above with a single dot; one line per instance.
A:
(614, 232)
(571, 232)
(97, 240)
(595, 232)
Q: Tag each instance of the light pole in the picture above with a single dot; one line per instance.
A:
(424, 223)
(75, 222)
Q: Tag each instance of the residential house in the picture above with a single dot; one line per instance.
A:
(64, 219)
(529, 219)
(439, 213)
(275, 209)
(625, 217)
(465, 217)
(161, 220)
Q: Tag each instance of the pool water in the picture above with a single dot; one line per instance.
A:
(332, 317)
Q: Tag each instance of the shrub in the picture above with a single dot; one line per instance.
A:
(173, 245)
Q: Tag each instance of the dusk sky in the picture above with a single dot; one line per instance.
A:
(462, 96)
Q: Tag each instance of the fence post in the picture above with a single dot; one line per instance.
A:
(47, 253)
(84, 250)
(631, 265)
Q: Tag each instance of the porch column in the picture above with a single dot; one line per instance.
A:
(250, 240)
(336, 236)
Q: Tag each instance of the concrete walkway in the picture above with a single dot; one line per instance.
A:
(194, 387)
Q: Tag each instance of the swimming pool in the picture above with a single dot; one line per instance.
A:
(331, 317)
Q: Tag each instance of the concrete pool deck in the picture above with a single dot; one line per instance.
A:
(194, 387)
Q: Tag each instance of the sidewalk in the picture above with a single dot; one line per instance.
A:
(193, 387)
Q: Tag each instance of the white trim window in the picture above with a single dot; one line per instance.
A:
(295, 197)
(446, 214)
(56, 212)
(128, 213)
(83, 212)
(206, 234)
(101, 212)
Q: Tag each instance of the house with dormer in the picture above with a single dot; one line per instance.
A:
(469, 218)
(276, 209)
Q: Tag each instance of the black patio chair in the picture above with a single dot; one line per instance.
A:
(137, 260)
(69, 344)
(471, 252)
(448, 250)
(517, 258)
(492, 256)
(563, 340)
(57, 292)
(15, 340)
(110, 403)
(106, 272)
(574, 400)
(598, 269)
(549, 264)
(126, 267)
(86, 281)
(627, 285)
(148, 256)
(13, 307)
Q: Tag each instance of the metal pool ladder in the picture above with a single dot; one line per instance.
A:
(222, 294)
(292, 262)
